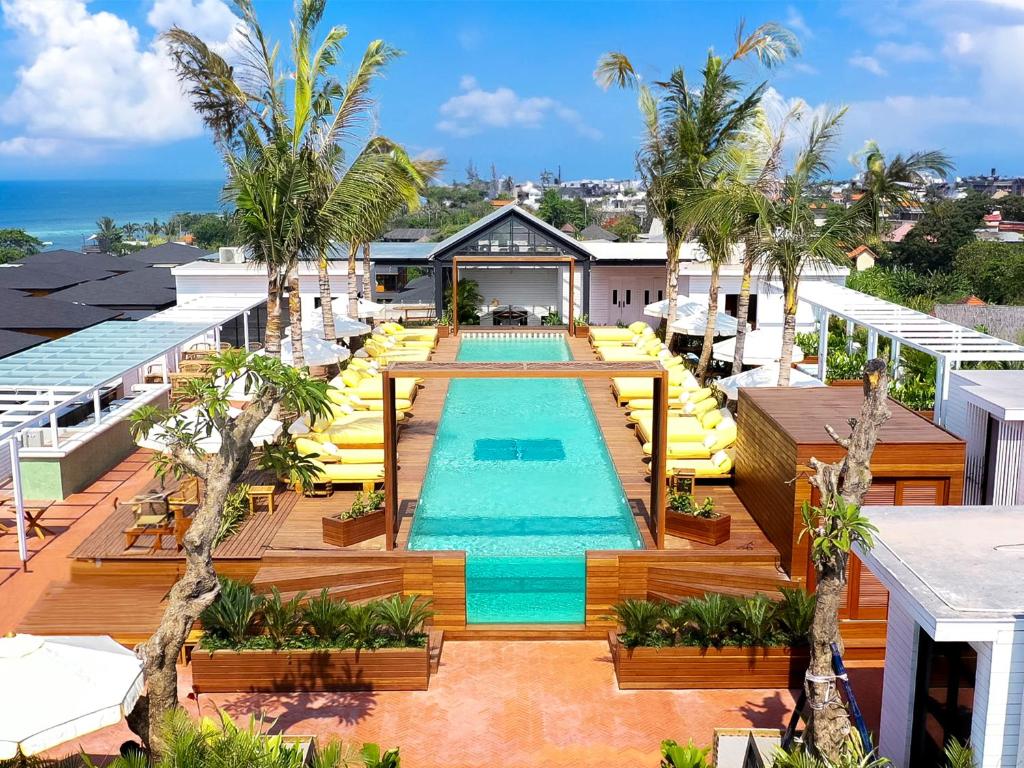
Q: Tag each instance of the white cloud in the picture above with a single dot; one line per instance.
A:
(869, 63)
(476, 110)
(89, 79)
(795, 21)
(903, 52)
(804, 68)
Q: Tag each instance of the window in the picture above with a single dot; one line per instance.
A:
(647, 297)
(943, 698)
(512, 237)
(661, 295)
(629, 298)
(615, 296)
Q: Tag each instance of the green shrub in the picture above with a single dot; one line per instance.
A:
(640, 620)
(685, 504)
(794, 614)
(404, 617)
(712, 617)
(756, 616)
(362, 626)
(230, 617)
(364, 504)
(690, 756)
(677, 620)
(282, 620)
(234, 514)
(325, 617)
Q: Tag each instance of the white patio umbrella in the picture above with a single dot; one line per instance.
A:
(692, 317)
(765, 376)
(59, 688)
(317, 351)
(367, 308)
(344, 326)
(158, 440)
(760, 347)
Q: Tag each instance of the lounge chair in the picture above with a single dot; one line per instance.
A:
(718, 466)
(613, 333)
(367, 475)
(402, 333)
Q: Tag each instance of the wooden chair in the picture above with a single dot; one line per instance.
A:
(150, 517)
(187, 495)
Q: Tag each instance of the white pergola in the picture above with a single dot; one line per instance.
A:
(950, 344)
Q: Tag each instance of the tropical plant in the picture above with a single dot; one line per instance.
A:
(676, 618)
(711, 617)
(232, 615)
(794, 614)
(364, 504)
(289, 465)
(362, 625)
(552, 318)
(887, 184)
(844, 366)
(374, 757)
(959, 754)
(270, 384)
(915, 394)
(685, 127)
(108, 234)
(325, 617)
(282, 618)
(469, 302)
(404, 616)
(685, 504)
(690, 756)
(756, 616)
(15, 244)
(234, 514)
(639, 620)
(851, 755)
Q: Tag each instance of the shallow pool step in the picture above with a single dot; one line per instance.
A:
(525, 590)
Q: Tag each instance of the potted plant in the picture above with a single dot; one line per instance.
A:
(582, 326)
(444, 324)
(696, 522)
(363, 520)
(552, 318)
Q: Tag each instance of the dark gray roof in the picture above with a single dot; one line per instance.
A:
(19, 312)
(169, 253)
(12, 341)
(408, 235)
(100, 261)
(145, 287)
(48, 277)
(419, 290)
(595, 232)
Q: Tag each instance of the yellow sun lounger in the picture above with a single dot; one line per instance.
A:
(367, 475)
(680, 428)
(356, 434)
(328, 453)
(719, 465)
(401, 332)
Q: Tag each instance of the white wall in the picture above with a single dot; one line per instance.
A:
(535, 288)
(563, 290)
(901, 644)
(995, 728)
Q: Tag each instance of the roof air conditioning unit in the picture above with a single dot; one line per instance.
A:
(231, 255)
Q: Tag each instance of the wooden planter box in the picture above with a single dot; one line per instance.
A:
(387, 669)
(713, 530)
(582, 330)
(930, 415)
(442, 331)
(343, 532)
(694, 668)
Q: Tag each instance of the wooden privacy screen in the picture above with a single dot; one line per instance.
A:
(519, 370)
(505, 260)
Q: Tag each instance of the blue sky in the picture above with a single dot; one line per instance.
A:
(86, 92)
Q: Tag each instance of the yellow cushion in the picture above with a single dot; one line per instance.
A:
(357, 433)
(353, 473)
(700, 408)
(306, 447)
(360, 455)
(699, 394)
(711, 419)
(639, 327)
(679, 450)
(723, 436)
(610, 333)
(681, 428)
(719, 465)
(351, 378)
(672, 362)
(372, 388)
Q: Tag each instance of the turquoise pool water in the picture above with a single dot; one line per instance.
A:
(520, 479)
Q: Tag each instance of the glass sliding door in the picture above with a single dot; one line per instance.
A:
(943, 698)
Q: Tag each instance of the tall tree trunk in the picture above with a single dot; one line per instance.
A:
(326, 302)
(788, 335)
(671, 283)
(849, 478)
(353, 281)
(704, 364)
(272, 339)
(743, 305)
(295, 316)
(367, 276)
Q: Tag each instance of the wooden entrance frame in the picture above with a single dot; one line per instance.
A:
(512, 262)
(535, 370)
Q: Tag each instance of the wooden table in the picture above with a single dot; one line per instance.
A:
(261, 491)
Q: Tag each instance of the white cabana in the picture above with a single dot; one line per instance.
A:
(59, 688)
(765, 376)
(692, 317)
(315, 350)
(158, 439)
(344, 326)
(760, 347)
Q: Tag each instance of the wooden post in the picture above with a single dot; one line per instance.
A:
(390, 461)
(455, 296)
(572, 298)
(659, 450)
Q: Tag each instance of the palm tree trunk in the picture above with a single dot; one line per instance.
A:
(353, 283)
(788, 336)
(295, 316)
(367, 278)
(704, 364)
(743, 306)
(272, 340)
(671, 284)
(326, 302)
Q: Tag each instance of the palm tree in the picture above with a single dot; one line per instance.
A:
(683, 130)
(887, 184)
(131, 229)
(108, 234)
(789, 242)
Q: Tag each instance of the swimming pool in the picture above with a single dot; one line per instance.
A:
(520, 478)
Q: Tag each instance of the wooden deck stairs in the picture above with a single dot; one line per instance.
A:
(677, 582)
(353, 583)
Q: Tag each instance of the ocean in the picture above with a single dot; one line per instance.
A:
(64, 213)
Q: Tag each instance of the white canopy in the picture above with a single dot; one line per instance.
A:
(765, 376)
(59, 688)
(692, 317)
(316, 350)
(760, 347)
(344, 326)
(157, 440)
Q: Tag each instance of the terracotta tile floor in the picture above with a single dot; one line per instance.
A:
(516, 705)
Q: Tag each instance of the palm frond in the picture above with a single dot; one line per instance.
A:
(615, 68)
